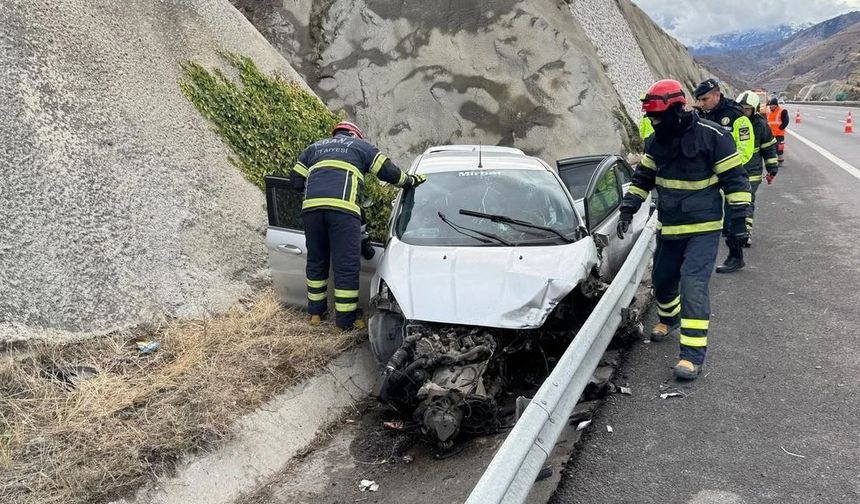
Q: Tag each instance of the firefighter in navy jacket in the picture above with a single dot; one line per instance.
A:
(331, 173)
(692, 162)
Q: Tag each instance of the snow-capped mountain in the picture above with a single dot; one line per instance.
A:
(743, 39)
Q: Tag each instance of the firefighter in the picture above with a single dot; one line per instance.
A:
(691, 162)
(331, 173)
(764, 153)
(730, 116)
(777, 118)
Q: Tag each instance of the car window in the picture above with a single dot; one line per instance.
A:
(576, 179)
(606, 198)
(625, 174)
(283, 204)
(528, 195)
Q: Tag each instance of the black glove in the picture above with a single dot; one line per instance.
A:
(367, 250)
(623, 224)
(415, 180)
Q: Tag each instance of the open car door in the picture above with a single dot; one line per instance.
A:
(597, 184)
(285, 241)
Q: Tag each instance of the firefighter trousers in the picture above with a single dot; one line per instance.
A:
(751, 211)
(681, 278)
(780, 149)
(333, 240)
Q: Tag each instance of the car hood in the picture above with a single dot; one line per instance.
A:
(505, 287)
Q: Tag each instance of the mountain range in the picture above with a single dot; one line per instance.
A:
(742, 39)
(819, 62)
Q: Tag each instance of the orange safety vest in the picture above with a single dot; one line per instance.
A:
(774, 120)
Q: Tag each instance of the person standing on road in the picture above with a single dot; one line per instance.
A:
(778, 121)
(764, 153)
(730, 116)
(691, 162)
(331, 173)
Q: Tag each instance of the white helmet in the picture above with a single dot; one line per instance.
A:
(749, 99)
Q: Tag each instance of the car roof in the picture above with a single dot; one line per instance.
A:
(446, 158)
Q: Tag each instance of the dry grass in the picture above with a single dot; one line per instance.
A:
(108, 435)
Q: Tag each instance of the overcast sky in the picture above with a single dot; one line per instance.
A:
(692, 20)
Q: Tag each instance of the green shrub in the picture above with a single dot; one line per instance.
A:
(267, 121)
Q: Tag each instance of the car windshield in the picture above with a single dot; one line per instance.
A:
(430, 214)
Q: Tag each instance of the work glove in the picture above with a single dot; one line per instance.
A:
(623, 225)
(770, 176)
(415, 180)
(367, 250)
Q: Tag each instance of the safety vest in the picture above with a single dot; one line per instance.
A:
(765, 150)
(774, 120)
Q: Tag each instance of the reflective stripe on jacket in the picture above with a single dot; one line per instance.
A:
(331, 172)
(764, 152)
(691, 175)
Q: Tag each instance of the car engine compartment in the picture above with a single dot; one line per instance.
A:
(452, 380)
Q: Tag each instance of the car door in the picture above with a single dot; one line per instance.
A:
(602, 211)
(285, 241)
(597, 184)
(576, 173)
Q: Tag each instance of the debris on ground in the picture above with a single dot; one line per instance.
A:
(366, 485)
(544, 473)
(667, 395)
(397, 425)
(609, 428)
(583, 424)
(408, 459)
(71, 375)
(148, 347)
(626, 390)
(793, 454)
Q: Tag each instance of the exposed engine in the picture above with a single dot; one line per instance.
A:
(454, 379)
(440, 375)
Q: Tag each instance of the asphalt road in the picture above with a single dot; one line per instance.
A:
(776, 416)
(825, 126)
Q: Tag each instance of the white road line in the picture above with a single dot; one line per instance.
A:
(827, 154)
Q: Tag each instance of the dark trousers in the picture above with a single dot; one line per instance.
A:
(681, 277)
(751, 211)
(736, 247)
(333, 239)
(780, 148)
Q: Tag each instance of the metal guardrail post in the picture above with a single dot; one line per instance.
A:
(512, 472)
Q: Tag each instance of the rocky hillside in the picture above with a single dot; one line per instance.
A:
(118, 202)
(554, 78)
(822, 60)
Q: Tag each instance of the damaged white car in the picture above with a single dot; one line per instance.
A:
(490, 267)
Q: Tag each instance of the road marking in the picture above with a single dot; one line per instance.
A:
(827, 154)
(821, 117)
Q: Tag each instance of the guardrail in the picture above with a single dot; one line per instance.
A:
(512, 472)
(826, 103)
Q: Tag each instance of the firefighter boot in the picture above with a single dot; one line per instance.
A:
(686, 370)
(735, 260)
(662, 331)
(731, 264)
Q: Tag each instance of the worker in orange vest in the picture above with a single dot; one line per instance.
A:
(777, 119)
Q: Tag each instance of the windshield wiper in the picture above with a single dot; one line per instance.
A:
(458, 228)
(510, 220)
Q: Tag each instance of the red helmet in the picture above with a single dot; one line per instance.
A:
(662, 94)
(348, 126)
